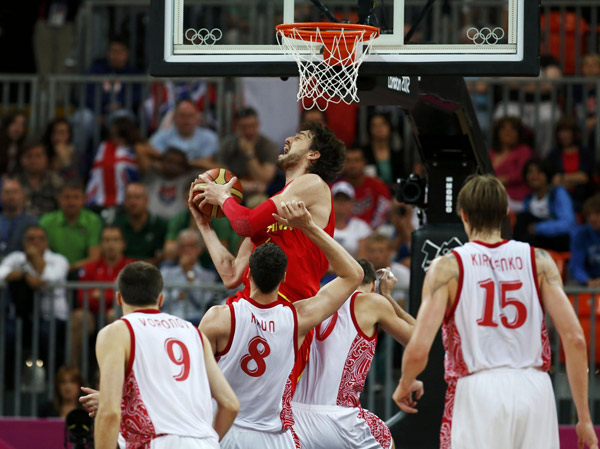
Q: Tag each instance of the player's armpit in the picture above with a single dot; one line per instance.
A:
(228, 405)
(216, 327)
(112, 351)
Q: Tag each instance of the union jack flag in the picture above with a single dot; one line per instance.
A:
(114, 168)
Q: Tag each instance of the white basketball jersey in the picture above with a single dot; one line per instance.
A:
(166, 389)
(497, 319)
(258, 361)
(340, 358)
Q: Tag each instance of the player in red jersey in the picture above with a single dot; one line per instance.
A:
(256, 338)
(310, 159)
(491, 296)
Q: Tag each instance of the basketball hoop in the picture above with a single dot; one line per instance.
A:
(328, 57)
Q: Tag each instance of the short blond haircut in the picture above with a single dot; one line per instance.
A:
(484, 201)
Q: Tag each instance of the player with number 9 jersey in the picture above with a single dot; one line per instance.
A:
(166, 388)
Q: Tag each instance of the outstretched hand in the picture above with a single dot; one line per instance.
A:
(403, 396)
(295, 215)
(90, 401)
(208, 192)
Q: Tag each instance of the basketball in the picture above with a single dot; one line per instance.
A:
(221, 176)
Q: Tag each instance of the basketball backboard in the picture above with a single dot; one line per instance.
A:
(237, 37)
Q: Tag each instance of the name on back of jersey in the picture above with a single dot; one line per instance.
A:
(170, 323)
(267, 326)
(501, 264)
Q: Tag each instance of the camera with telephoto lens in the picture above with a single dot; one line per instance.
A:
(411, 190)
(80, 429)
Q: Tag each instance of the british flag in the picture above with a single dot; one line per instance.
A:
(114, 168)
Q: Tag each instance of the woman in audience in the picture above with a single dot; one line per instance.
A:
(58, 139)
(40, 184)
(547, 219)
(571, 164)
(67, 389)
(383, 151)
(12, 140)
(509, 155)
(115, 166)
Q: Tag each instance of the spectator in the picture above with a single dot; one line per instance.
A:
(535, 104)
(570, 163)
(587, 96)
(67, 390)
(372, 196)
(53, 36)
(106, 269)
(184, 220)
(12, 141)
(40, 184)
(115, 166)
(199, 144)
(114, 94)
(383, 153)
(117, 98)
(402, 219)
(350, 232)
(167, 183)
(73, 231)
(249, 154)
(584, 265)
(547, 219)
(63, 157)
(189, 304)
(509, 155)
(13, 219)
(143, 232)
(29, 271)
(378, 251)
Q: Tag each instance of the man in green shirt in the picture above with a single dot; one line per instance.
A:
(143, 232)
(72, 230)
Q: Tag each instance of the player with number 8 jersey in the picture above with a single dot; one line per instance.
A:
(256, 338)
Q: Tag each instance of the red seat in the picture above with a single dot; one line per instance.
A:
(584, 312)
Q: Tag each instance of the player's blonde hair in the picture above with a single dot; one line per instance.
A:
(484, 201)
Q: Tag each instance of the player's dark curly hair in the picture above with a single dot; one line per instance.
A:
(368, 269)
(332, 150)
(268, 263)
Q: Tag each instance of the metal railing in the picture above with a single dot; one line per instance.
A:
(32, 365)
(83, 99)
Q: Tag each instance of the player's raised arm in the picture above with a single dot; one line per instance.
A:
(228, 405)
(384, 316)
(112, 351)
(313, 310)
(571, 335)
(386, 286)
(440, 282)
(230, 268)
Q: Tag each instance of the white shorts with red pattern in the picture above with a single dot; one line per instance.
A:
(326, 427)
(500, 408)
(243, 438)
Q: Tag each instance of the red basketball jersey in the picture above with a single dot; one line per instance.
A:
(306, 262)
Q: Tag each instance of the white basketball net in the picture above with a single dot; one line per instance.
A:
(334, 80)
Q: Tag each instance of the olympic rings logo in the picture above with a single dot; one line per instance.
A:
(485, 36)
(203, 36)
